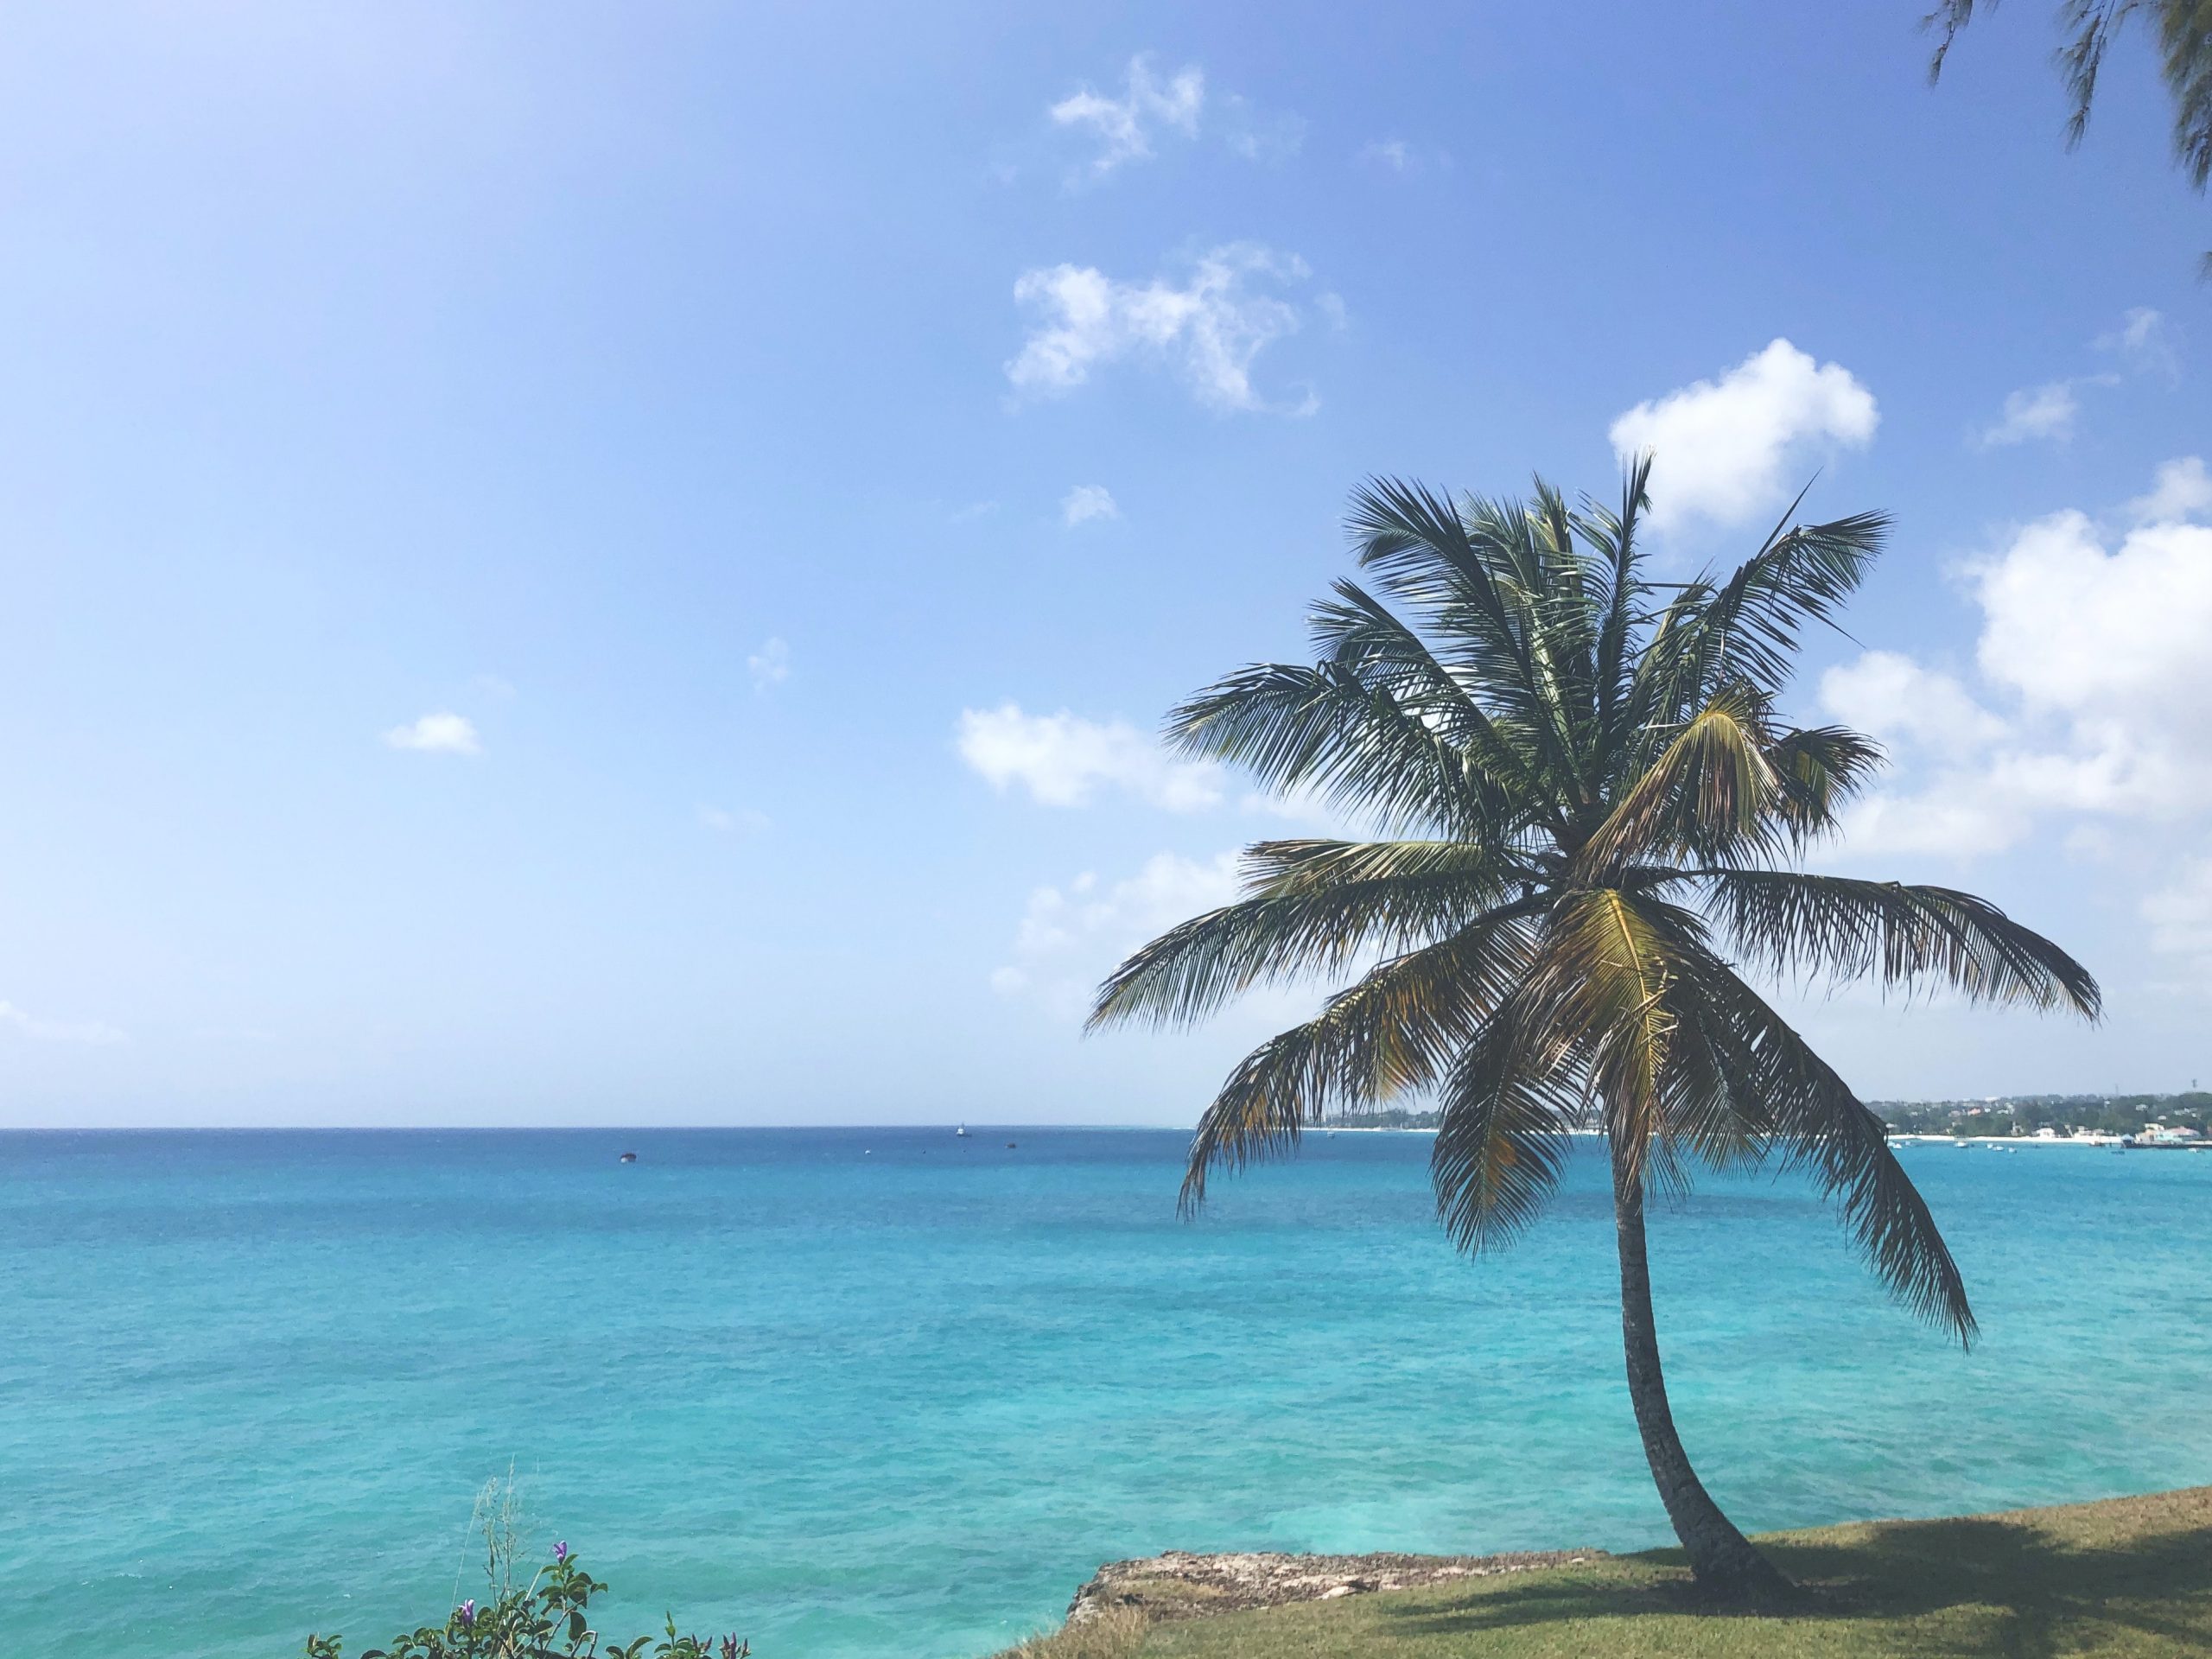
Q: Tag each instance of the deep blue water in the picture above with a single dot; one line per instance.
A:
(883, 1392)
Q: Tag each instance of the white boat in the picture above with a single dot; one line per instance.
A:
(962, 1131)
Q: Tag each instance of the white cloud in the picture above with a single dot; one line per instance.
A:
(2046, 411)
(91, 1033)
(1953, 817)
(1888, 696)
(2094, 650)
(1061, 759)
(770, 665)
(1260, 135)
(1085, 502)
(1071, 938)
(1722, 446)
(732, 821)
(1390, 152)
(2049, 413)
(1209, 330)
(1127, 125)
(2181, 490)
(2102, 634)
(2180, 915)
(2144, 342)
(439, 734)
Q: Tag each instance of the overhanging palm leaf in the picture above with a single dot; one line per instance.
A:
(1819, 1124)
(1394, 1030)
(1595, 795)
(1790, 923)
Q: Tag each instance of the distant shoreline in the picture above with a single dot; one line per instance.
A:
(2102, 1143)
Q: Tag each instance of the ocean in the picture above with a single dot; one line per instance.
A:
(887, 1392)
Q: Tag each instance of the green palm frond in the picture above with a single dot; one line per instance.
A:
(1742, 632)
(1501, 1138)
(1713, 792)
(1323, 731)
(2185, 54)
(1284, 870)
(1470, 572)
(1811, 1115)
(1612, 538)
(2183, 29)
(1820, 768)
(1792, 923)
(1319, 907)
(1396, 1029)
(1359, 636)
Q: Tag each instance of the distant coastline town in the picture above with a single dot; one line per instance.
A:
(2181, 1120)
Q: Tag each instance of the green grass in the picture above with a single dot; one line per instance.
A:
(2131, 1576)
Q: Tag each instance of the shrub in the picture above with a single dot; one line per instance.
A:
(547, 1618)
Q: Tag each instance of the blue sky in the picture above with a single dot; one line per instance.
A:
(588, 565)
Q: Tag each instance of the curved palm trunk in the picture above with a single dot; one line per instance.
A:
(1721, 1556)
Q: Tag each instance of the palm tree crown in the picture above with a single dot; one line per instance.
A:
(1597, 815)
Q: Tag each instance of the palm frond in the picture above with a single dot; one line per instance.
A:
(1477, 575)
(1293, 868)
(1612, 538)
(1710, 791)
(1394, 1030)
(1819, 768)
(1359, 635)
(1821, 1126)
(1744, 632)
(1322, 730)
(1501, 1138)
(2185, 54)
(1843, 928)
(1297, 930)
(1607, 968)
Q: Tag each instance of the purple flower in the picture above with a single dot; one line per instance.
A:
(561, 1550)
(468, 1611)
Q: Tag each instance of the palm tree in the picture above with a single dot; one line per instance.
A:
(1596, 813)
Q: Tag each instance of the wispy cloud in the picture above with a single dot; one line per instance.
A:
(1063, 760)
(2046, 412)
(1070, 935)
(732, 821)
(2181, 490)
(1085, 502)
(2050, 413)
(1261, 136)
(1721, 446)
(1149, 106)
(445, 733)
(2144, 342)
(1209, 329)
(91, 1032)
(770, 665)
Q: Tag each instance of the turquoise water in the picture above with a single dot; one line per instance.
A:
(883, 1392)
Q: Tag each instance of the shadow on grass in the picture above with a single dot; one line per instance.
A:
(2017, 1592)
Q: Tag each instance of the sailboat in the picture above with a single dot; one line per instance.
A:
(962, 1131)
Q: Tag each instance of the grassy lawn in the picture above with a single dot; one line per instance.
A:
(2126, 1577)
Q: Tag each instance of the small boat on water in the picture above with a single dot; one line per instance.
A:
(627, 1158)
(962, 1132)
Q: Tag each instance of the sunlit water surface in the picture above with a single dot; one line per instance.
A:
(887, 1392)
